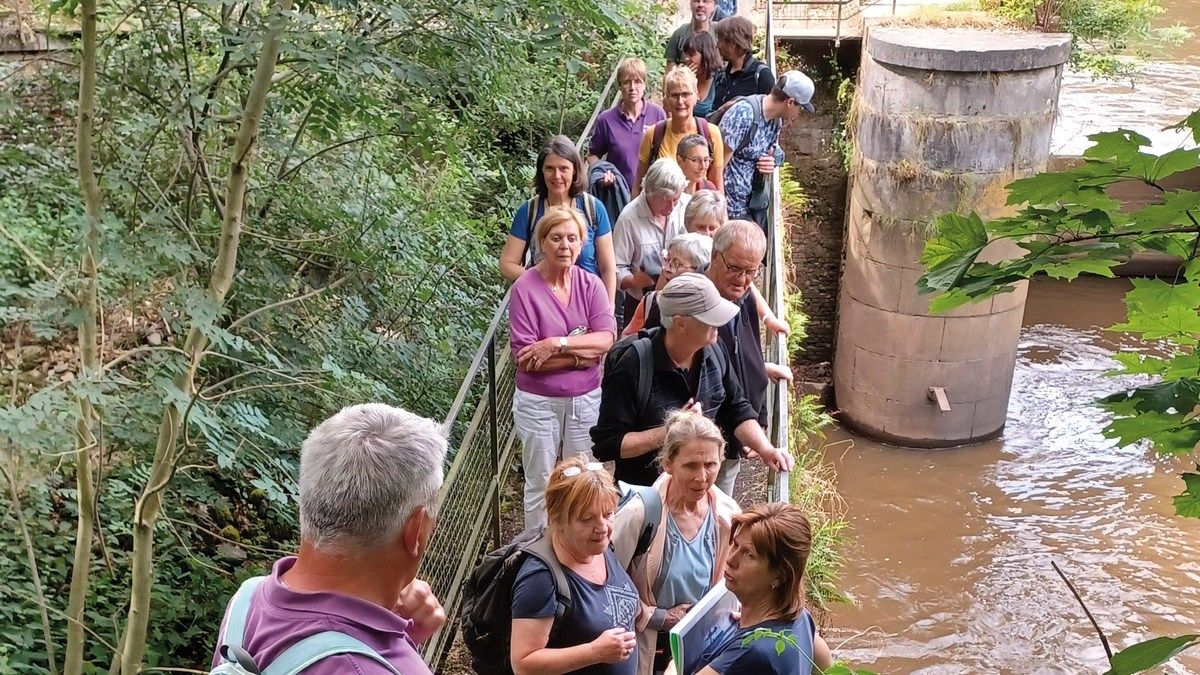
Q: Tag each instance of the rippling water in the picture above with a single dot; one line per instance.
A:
(951, 563)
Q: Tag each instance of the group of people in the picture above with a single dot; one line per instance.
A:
(636, 330)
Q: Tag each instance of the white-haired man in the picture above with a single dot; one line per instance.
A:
(369, 481)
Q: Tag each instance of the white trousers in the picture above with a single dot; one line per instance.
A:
(550, 428)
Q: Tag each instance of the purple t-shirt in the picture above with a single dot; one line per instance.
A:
(535, 314)
(618, 137)
(280, 617)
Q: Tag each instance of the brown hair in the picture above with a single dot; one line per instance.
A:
(567, 497)
(559, 146)
(702, 43)
(557, 215)
(781, 533)
(738, 31)
(685, 426)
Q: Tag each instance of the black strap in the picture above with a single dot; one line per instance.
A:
(641, 348)
(656, 141)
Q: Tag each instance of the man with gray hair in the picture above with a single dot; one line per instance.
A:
(369, 481)
(686, 368)
(738, 250)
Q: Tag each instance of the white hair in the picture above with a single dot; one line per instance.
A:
(664, 177)
(706, 204)
(363, 472)
(741, 233)
(696, 246)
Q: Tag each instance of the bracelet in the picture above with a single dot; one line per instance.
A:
(576, 360)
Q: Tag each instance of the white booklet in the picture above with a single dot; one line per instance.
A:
(705, 626)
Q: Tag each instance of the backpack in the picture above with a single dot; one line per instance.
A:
(589, 214)
(660, 132)
(235, 660)
(755, 105)
(651, 504)
(487, 600)
(639, 342)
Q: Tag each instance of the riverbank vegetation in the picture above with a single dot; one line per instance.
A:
(220, 222)
(1068, 225)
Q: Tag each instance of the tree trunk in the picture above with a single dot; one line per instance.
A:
(224, 267)
(86, 439)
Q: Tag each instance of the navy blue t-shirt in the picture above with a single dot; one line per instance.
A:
(775, 647)
(595, 608)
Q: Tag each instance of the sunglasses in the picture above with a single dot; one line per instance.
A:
(572, 471)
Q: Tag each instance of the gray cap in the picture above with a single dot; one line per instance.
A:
(798, 87)
(694, 295)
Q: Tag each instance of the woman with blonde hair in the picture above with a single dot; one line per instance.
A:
(561, 324)
(662, 139)
(691, 538)
(595, 635)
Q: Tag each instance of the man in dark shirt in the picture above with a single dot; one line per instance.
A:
(738, 250)
(743, 74)
(704, 13)
(688, 369)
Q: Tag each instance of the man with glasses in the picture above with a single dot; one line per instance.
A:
(685, 368)
(738, 250)
(751, 129)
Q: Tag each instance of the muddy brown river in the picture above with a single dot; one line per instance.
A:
(950, 562)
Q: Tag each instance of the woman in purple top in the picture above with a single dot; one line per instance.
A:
(561, 325)
(618, 131)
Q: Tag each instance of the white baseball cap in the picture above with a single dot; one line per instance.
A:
(798, 87)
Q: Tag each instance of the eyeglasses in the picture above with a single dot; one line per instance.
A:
(630, 83)
(702, 161)
(740, 271)
(681, 95)
(572, 471)
(676, 265)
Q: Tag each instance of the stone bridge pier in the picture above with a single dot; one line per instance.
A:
(943, 121)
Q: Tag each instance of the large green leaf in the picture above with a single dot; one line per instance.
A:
(1190, 122)
(1120, 147)
(947, 256)
(1187, 503)
(1149, 654)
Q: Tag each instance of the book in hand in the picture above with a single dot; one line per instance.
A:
(705, 627)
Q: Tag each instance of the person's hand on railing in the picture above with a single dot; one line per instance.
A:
(777, 372)
(777, 459)
(778, 327)
(766, 163)
(418, 604)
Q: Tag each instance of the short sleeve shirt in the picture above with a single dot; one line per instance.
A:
(595, 608)
(587, 255)
(776, 647)
(739, 168)
(617, 138)
(671, 140)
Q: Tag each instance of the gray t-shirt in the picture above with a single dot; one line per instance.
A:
(595, 608)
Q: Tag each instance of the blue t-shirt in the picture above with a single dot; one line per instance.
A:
(775, 647)
(686, 572)
(739, 167)
(595, 608)
(587, 255)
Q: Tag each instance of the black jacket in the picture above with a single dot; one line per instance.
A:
(713, 383)
(754, 78)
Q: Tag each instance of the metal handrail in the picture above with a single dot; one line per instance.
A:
(777, 483)
(495, 352)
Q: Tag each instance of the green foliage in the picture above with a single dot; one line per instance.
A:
(843, 134)
(797, 321)
(1149, 654)
(1067, 226)
(396, 141)
(1111, 37)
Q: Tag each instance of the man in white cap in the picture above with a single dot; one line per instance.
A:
(686, 367)
(750, 129)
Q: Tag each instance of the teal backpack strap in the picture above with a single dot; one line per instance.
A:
(589, 212)
(313, 648)
(235, 616)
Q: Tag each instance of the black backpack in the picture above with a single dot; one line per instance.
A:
(640, 344)
(487, 600)
(660, 132)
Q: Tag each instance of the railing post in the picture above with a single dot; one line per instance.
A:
(493, 441)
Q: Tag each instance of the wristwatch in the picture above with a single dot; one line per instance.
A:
(562, 344)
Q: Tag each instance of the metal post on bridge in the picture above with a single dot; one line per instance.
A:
(493, 440)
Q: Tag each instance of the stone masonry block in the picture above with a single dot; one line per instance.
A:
(1009, 301)
(908, 191)
(883, 332)
(908, 380)
(886, 240)
(912, 302)
(904, 91)
(990, 415)
(978, 337)
(869, 282)
(967, 49)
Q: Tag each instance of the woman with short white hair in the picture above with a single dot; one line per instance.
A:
(689, 252)
(706, 211)
(647, 223)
